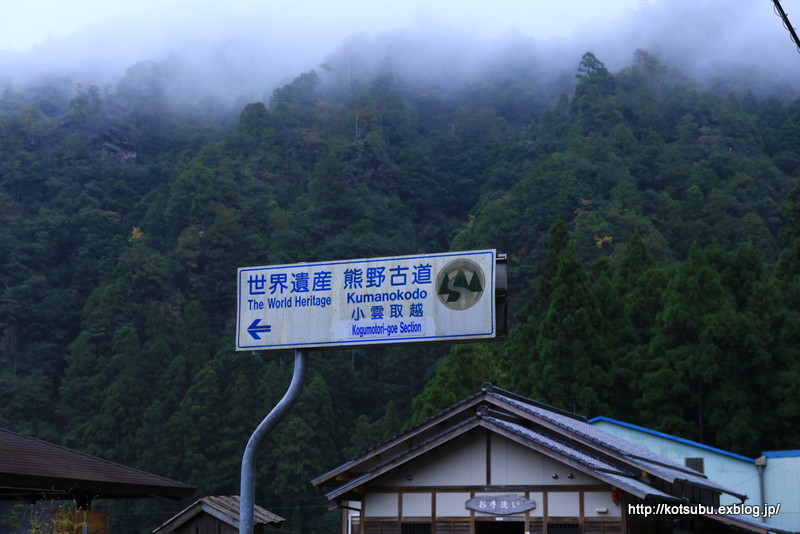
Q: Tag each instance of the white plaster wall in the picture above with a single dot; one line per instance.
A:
(461, 462)
(563, 504)
(538, 498)
(451, 504)
(513, 463)
(417, 504)
(380, 505)
(594, 500)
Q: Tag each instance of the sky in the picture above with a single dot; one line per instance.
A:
(25, 24)
(269, 42)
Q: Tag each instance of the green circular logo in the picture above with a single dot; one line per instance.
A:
(460, 284)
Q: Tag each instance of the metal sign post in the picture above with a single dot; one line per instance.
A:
(450, 297)
(248, 483)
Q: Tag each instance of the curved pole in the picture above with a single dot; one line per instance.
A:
(248, 484)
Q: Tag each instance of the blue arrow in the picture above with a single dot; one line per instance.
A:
(255, 328)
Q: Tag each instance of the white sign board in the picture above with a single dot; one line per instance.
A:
(438, 297)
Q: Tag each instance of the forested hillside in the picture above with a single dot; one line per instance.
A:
(652, 228)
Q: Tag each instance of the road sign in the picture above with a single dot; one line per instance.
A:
(376, 301)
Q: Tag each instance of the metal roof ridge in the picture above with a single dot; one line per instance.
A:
(605, 445)
(782, 453)
(670, 436)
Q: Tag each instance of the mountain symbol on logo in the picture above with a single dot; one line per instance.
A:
(459, 282)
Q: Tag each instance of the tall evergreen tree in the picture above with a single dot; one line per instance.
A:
(557, 353)
(686, 359)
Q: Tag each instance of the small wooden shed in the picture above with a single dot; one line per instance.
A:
(216, 515)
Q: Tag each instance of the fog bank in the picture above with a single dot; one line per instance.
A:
(242, 53)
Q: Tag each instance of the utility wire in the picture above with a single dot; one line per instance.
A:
(786, 24)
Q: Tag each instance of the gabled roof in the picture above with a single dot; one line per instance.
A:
(224, 508)
(32, 469)
(560, 435)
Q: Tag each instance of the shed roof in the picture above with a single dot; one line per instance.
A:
(33, 469)
(224, 508)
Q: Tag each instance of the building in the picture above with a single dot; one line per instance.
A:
(730, 470)
(770, 482)
(498, 463)
(216, 515)
(781, 476)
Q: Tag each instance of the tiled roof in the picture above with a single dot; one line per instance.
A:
(561, 435)
(579, 425)
(561, 447)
